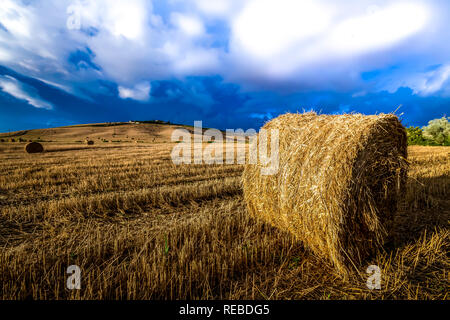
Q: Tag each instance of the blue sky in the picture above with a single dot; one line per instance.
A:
(232, 64)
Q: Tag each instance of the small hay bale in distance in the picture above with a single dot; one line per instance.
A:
(339, 181)
(89, 142)
(34, 147)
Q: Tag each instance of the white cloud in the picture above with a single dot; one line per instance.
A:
(266, 28)
(378, 28)
(189, 25)
(140, 92)
(121, 18)
(261, 43)
(15, 18)
(431, 82)
(5, 55)
(56, 85)
(216, 8)
(320, 44)
(21, 91)
(127, 18)
(197, 62)
(437, 80)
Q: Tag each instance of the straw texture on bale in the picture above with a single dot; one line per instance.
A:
(339, 181)
(34, 147)
(89, 142)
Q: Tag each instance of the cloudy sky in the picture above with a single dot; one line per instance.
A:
(230, 63)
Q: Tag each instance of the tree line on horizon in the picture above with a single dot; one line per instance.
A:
(436, 133)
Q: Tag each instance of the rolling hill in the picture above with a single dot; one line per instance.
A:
(104, 132)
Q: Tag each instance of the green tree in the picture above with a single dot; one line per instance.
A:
(438, 131)
(415, 136)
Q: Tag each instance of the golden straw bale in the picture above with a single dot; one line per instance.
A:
(34, 147)
(339, 181)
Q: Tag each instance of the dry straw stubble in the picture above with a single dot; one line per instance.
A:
(339, 181)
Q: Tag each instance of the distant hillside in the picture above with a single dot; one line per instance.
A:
(142, 131)
(111, 132)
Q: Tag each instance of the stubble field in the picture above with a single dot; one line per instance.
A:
(141, 227)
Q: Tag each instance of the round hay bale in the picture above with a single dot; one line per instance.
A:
(13, 140)
(34, 147)
(337, 185)
(89, 142)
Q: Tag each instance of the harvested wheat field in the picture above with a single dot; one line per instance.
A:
(141, 227)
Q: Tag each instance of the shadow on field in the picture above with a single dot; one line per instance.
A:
(12, 233)
(13, 135)
(62, 149)
(425, 208)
